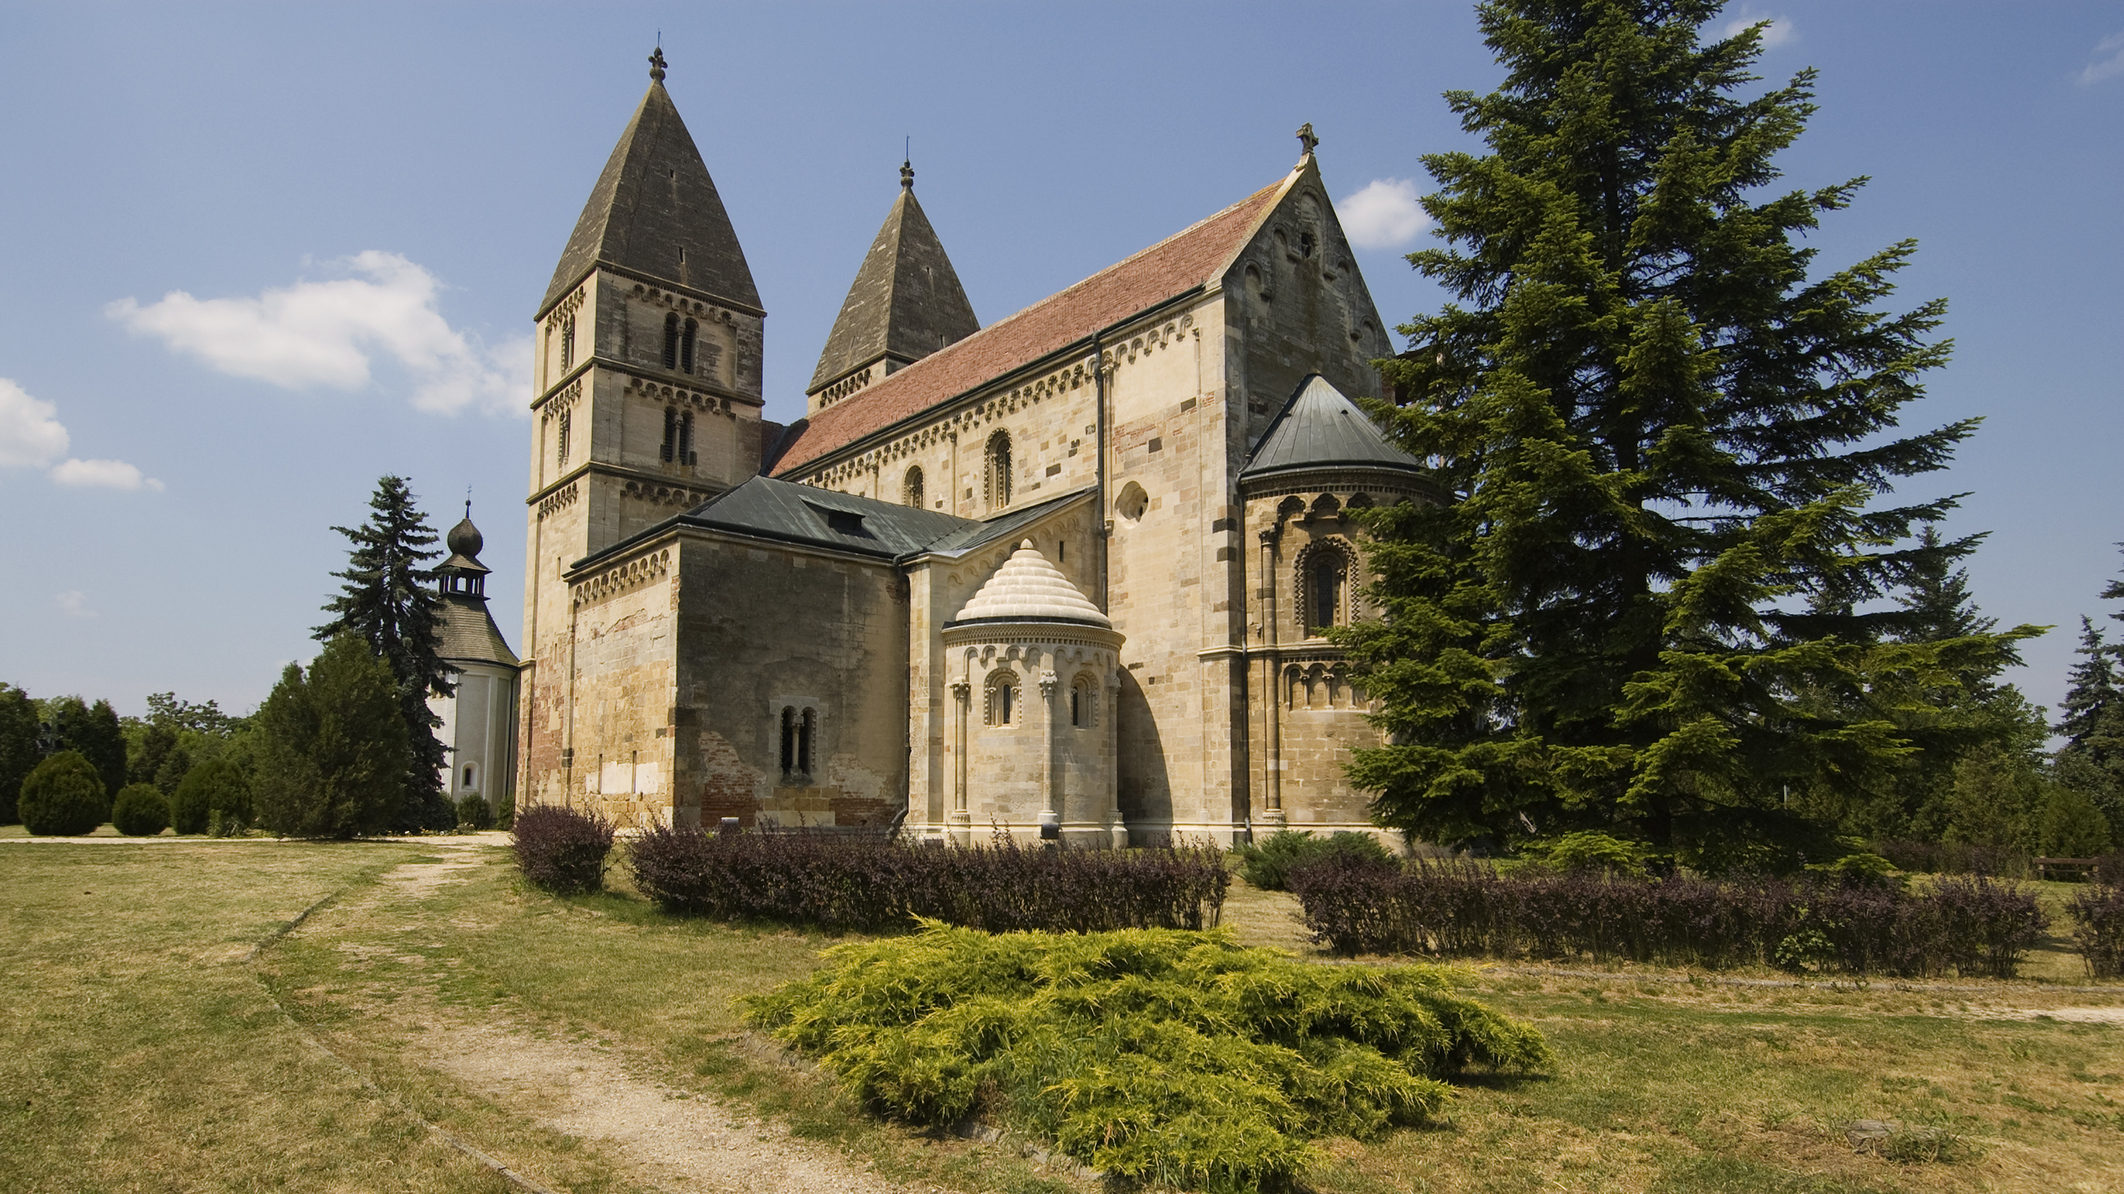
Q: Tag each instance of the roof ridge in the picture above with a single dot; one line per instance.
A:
(880, 404)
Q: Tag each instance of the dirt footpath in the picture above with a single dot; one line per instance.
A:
(664, 1138)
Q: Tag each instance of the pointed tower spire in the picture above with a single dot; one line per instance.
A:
(655, 214)
(906, 303)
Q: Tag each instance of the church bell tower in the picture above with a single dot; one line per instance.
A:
(646, 380)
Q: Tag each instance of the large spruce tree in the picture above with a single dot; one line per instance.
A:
(389, 601)
(1661, 600)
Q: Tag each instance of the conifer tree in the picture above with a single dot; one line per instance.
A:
(19, 751)
(388, 600)
(333, 746)
(2092, 760)
(1654, 601)
(93, 730)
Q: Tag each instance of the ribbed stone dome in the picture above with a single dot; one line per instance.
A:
(1027, 588)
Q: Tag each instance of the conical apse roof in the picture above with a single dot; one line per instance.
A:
(655, 213)
(1320, 428)
(1029, 589)
(906, 301)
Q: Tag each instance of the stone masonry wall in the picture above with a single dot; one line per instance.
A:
(762, 628)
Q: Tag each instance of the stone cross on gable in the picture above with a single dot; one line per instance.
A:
(1307, 139)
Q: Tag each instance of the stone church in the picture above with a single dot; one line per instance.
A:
(1068, 570)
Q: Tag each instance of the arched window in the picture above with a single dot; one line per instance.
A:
(567, 342)
(998, 470)
(1003, 703)
(685, 438)
(807, 740)
(1324, 587)
(665, 450)
(560, 437)
(470, 772)
(911, 489)
(671, 340)
(1084, 703)
(686, 347)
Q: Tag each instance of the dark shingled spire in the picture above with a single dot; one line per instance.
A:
(655, 213)
(906, 301)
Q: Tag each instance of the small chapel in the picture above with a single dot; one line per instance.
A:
(1064, 574)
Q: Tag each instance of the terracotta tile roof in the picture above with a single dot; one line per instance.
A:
(1188, 258)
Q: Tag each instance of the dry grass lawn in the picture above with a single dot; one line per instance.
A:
(139, 1050)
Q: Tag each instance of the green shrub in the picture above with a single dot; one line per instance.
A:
(214, 786)
(140, 811)
(1589, 850)
(1860, 870)
(505, 811)
(1158, 1055)
(63, 796)
(1267, 864)
(473, 814)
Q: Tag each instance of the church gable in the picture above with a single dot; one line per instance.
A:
(1300, 305)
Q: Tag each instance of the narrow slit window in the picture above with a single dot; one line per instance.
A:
(686, 346)
(567, 342)
(998, 470)
(685, 438)
(671, 340)
(807, 740)
(561, 438)
(670, 434)
(789, 740)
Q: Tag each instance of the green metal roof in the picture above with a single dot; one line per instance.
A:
(1321, 428)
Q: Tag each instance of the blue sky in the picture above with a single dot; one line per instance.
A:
(257, 255)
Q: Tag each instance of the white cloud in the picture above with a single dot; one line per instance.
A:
(1385, 214)
(2100, 67)
(73, 603)
(329, 335)
(1779, 32)
(31, 435)
(102, 474)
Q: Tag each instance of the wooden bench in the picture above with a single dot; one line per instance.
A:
(2065, 868)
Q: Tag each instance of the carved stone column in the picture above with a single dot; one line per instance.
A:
(1048, 684)
(1272, 681)
(961, 822)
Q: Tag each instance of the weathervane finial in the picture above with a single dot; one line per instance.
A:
(1307, 139)
(657, 63)
(907, 164)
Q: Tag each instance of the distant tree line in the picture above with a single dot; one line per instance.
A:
(342, 747)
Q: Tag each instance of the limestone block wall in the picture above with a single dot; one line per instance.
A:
(1050, 418)
(1304, 712)
(615, 698)
(938, 587)
(1032, 750)
(1171, 561)
(766, 628)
